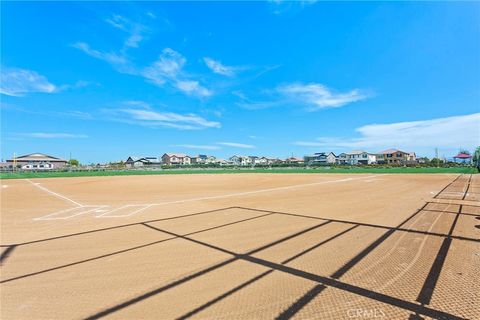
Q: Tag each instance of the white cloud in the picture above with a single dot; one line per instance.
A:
(282, 6)
(219, 68)
(249, 104)
(77, 85)
(17, 82)
(168, 65)
(141, 114)
(44, 135)
(192, 87)
(168, 69)
(236, 145)
(448, 133)
(112, 58)
(134, 30)
(195, 146)
(318, 96)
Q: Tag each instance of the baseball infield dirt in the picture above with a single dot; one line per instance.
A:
(244, 246)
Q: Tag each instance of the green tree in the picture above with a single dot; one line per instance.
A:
(73, 162)
(476, 155)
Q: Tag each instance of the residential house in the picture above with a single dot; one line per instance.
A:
(254, 160)
(203, 159)
(341, 158)
(224, 162)
(133, 162)
(294, 160)
(359, 157)
(395, 156)
(38, 161)
(268, 161)
(176, 159)
(321, 158)
(241, 160)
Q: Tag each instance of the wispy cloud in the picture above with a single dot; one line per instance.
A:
(77, 85)
(17, 82)
(117, 60)
(50, 135)
(236, 145)
(195, 146)
(249, 104)
(317, 96)
(134, 30)
(168, 69)
(219, 68)
(282, 6)
(142, 114)
(450, 132)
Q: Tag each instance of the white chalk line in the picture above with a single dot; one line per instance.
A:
(148, 205)
(109, 215)
(36, 184)
(145, 206)
(53, 216)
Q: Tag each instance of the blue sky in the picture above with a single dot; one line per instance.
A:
(104, 81)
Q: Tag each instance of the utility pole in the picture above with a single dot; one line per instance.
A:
(436, 157)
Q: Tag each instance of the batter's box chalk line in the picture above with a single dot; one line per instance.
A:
(73, 212)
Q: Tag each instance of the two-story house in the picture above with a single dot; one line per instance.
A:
(395, 156)
(357, 157)
(175, 159)
(321, 158)
(241, 160)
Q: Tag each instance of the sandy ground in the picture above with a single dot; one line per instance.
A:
(243, 246)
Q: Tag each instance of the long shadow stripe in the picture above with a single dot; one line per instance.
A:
(127, 250)
(407, 305)
(468, 187)
(6, 254)
(152, 293)
(300, 303)
(121, 226)
(435, 234)
(224, 295)
(448, 185)
(251, 281)
(337, 274)
(426, 293)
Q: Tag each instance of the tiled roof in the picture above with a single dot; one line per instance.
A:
(463, 156)
(178, 155)
(38, 157)
(392, 151)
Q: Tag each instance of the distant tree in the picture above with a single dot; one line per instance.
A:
(73, 162)
(436, 161)
(476, 155)
(464, 151)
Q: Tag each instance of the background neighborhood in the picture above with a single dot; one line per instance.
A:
(393, 157)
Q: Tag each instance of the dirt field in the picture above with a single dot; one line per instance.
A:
(246, 246)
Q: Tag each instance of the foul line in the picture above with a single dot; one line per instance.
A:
(148, 205)
(36, 184)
